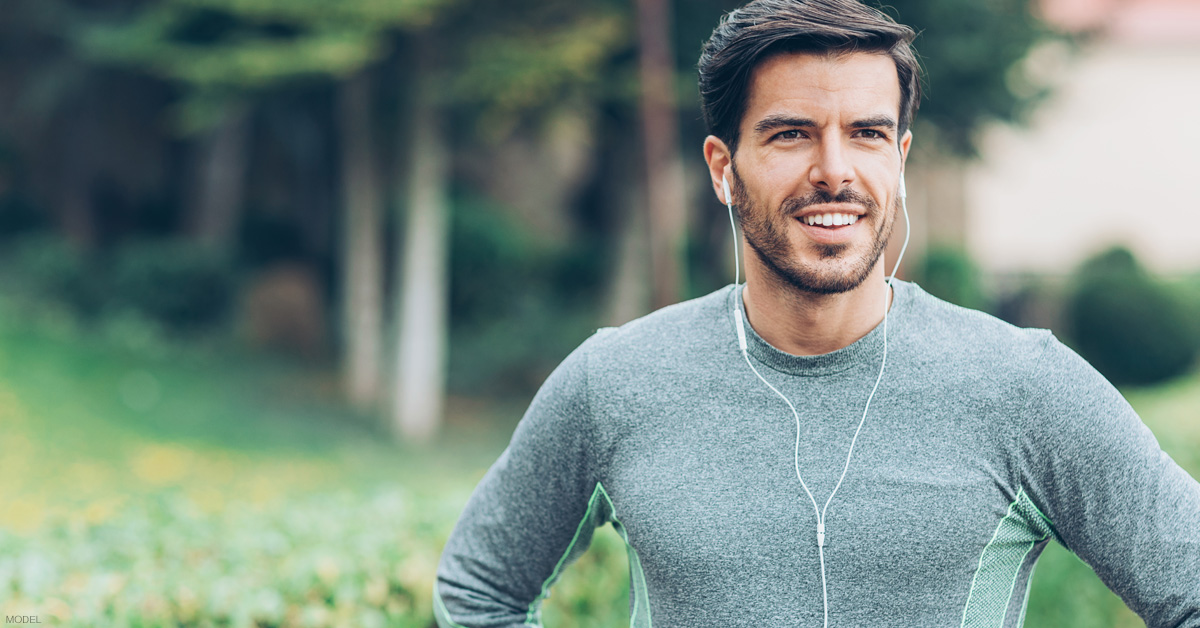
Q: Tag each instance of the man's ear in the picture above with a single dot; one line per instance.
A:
(720, 165)
(905, 143)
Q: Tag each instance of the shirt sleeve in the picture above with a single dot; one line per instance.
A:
(532, 514)
(1113, 497)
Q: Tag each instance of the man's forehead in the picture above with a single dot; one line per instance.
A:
(820, 84)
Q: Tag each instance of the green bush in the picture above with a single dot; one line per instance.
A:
(1130, 327)
(1187, 290)
(948, 273)
(169, 283)
(50, 268)
(179, 283)
(517, 304)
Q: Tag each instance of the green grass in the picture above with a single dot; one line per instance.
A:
(154, 485)
(145, 484)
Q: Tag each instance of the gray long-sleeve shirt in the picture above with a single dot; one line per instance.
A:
(983, 443)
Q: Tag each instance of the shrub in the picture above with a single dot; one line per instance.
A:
(517, 304)
(948, 273)
(49, 267)
(178, 283)
(169, 283)
(1130, 327)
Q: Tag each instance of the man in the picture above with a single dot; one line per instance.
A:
(819, 447)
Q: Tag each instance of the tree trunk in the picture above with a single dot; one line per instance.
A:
(628, 294)
(220, 186)
(423, 294)
(362, 246)
(664, 165)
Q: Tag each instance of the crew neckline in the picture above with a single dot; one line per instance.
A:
(866, 348)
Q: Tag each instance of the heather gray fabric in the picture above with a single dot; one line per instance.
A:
(983, 443)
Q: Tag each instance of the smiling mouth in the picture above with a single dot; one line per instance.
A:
(832, 219)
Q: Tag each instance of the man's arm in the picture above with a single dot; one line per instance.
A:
(531, 515)
(1112, 495)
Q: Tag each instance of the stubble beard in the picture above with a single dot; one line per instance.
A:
(768, 238)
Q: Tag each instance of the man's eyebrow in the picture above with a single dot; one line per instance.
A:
(874, 122)
(776, 121)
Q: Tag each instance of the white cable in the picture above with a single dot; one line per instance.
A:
(821, 512)
(737, 244)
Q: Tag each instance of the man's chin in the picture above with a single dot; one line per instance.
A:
(827, 276)
(815, 268)
(809, 281)
(830, 251)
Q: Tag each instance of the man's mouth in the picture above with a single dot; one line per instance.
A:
(829, 220)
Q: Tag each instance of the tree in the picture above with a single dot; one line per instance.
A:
(664, 164)
(362, 243)
(971, 53)
(225, 50)
(423, 290)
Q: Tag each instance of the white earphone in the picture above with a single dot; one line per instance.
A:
(739, 325)
(736, 244)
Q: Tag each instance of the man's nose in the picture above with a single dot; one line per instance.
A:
(832, 170)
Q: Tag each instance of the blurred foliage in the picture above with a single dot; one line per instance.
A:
(1187, 290)
(532, 67)
(317, 560)
(178, 284)
(1033, 301)
(948, 273)
(973, 57)
(47, 265)
(594, 591)
(518, 304)
(222, 51)
(1127, 324)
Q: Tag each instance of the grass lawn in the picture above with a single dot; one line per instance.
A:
(155, 487)
(152, 486)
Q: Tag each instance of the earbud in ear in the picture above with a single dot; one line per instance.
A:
(903, 192)
(728, 195)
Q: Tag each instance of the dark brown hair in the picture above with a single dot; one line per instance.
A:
(748, 36)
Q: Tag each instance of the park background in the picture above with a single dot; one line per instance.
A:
(278, 277)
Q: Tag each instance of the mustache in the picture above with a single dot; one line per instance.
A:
(796, 204)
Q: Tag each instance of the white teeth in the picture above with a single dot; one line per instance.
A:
(831, 220)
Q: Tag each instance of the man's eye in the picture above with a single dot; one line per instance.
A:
(793, 134)
(871, 134)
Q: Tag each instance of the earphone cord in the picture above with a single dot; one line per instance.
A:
(737, 267)
(849, 454)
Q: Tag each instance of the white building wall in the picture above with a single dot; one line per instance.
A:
(1113, 157)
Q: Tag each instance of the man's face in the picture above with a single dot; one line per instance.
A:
(817, 167)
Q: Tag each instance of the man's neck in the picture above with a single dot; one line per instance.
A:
(802, 323)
